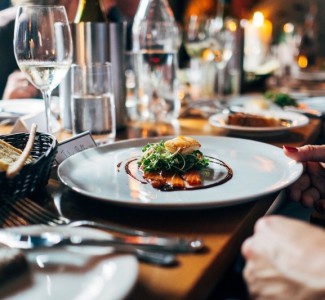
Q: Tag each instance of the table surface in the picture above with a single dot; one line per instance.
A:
(222, 229)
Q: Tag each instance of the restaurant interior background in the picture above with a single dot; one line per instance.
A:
(291, 32)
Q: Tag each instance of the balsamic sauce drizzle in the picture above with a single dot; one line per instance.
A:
(164, 188)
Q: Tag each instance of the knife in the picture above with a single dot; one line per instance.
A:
(53, 239)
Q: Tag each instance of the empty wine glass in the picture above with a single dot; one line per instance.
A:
(43, 48)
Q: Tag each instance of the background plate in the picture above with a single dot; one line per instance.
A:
(258, 169)
(15, 108)
(298, 120)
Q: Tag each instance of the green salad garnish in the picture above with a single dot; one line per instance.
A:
(157, 158)
(281, 99)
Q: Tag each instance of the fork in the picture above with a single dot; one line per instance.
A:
(10, 218)
(36, 214)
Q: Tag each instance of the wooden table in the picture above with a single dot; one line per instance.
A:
(223, 229)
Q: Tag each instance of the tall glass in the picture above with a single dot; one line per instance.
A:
(221, 36)
(196, 42)
(196, 39)
(93, 105)
(43, 48)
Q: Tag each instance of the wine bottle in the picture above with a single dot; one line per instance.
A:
(90, 11)
(224, 9)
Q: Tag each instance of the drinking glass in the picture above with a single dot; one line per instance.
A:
(196, 39)
(156, 66)
(93, 105)
(43, 48)
(196, 42)
(221, 39)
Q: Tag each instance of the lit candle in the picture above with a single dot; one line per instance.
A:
(258, 34)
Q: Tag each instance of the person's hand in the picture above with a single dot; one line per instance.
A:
(285, 259)
(309, 189)
(18, 87)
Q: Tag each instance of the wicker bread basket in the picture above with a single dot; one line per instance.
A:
(34, 175)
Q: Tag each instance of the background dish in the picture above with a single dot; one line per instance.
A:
(94, 173)
(73, 272)
(252, 102)
(13, 109)
(298, 120)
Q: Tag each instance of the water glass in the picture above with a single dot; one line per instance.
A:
(93, 106)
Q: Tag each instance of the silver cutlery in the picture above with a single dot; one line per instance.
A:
(11, 219)
(48, 239)
(25, 211)
(36, 214)
(45, 240)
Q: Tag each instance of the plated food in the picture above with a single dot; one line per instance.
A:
(256, 120)
(176, 164)
(100, 173)
(257, 123)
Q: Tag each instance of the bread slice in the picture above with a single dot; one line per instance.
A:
(9, 154)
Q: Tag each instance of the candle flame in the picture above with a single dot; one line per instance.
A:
(232, 25)
(288, 28)
(302, 61)
(258, 19)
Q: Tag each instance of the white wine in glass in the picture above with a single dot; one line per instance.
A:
(43, 48)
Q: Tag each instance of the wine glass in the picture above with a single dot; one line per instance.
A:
(196, 39)
(221, 42)
(196, 43)
(43, 48)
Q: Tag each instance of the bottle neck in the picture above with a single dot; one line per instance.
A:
(90, 11)
(224, 9)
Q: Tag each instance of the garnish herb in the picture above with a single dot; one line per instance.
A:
(281, 99)
(157, 158)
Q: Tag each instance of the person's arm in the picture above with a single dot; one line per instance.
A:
(18, 87)
(285, 259)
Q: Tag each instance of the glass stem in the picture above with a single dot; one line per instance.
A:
(47, 99)
(221, 82)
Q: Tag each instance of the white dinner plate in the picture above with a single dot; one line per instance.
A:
(258, 169)
(297, 120)
(15, 108)
(67, 273)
